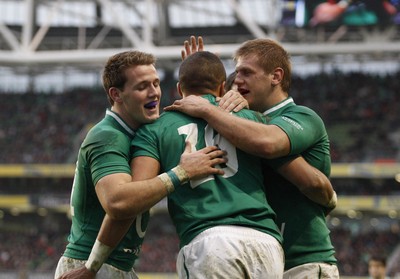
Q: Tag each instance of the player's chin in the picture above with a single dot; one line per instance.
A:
(249, 99)
(246, 96)
(253, 105)
(150, 118)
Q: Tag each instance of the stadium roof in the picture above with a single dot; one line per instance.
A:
(39, 36)
(73, 32)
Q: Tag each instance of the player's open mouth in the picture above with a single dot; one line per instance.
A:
(243, 91)
(151, 105)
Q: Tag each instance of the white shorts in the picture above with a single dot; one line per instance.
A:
(232, 252)
(106, 271)
(312, 271)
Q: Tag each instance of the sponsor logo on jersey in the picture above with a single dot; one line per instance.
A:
(294, 123)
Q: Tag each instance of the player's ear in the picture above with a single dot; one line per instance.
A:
(114, 94)
(221, 89)
(277, 76)
(178, 87)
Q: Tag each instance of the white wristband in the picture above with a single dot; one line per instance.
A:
(333, 202)
(166, 180)
(98, 256)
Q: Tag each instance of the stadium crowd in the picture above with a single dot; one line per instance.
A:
(43, 128)
(38, 248)
(360, 111)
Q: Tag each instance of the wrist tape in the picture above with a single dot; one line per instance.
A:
(173, 178)
(98, 256)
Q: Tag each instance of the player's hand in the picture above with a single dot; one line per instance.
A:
(81, 273)
(326, 12)
(232, 101)
(191, 105)
(192, 46)
(201, 163)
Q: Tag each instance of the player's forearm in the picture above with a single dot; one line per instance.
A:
(310, 181)
(321, 192)
(110, 234)
(135, 198)
(319, 189)
(113, 230)
(132, 195)
(115, 227)
(266, 141)
(128, 200)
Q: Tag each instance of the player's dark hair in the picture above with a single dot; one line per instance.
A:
(114, 71)
(378, 258)
(201, 72)
(230, 81)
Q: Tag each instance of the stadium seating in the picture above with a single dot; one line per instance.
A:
(360, 112)
(361, 115)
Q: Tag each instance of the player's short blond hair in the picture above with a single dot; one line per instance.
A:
(270, 55)
(116, 66)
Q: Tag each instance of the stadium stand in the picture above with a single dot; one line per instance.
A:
(360, 112)
(34, 245)
(42, 128)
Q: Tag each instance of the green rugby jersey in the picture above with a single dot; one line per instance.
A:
(237, 198)
(306, 236)
(105, 150)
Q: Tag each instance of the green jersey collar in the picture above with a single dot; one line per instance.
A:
(279, 106)
(209, 97)
(120, 121)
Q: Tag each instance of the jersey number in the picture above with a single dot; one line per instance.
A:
(210, 138)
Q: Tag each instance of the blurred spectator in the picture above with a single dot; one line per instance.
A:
(377, 267)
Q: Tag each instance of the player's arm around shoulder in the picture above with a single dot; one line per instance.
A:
(192, 105)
